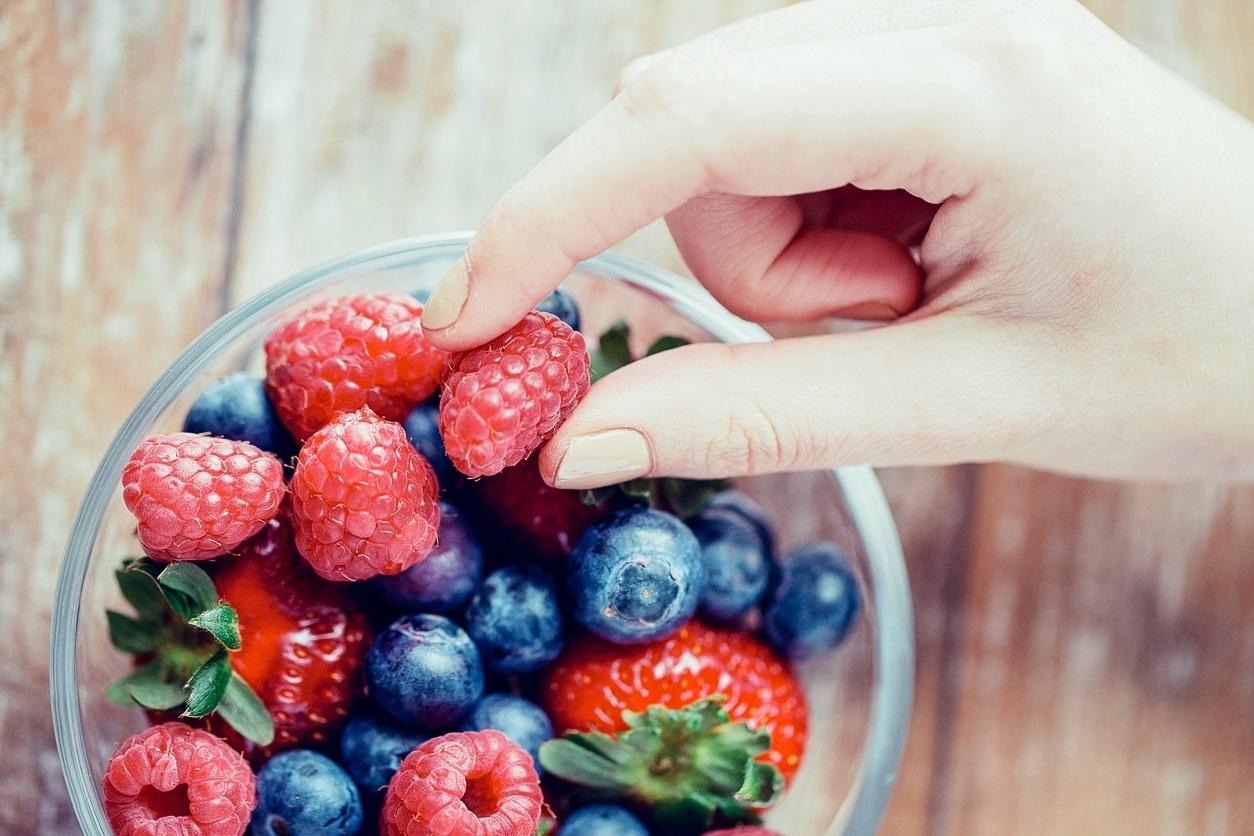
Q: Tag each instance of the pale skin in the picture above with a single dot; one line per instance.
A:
(1055, 235)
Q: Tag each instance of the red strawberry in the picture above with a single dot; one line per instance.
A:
(175, 779)
(197, 497)
(364, 501)
(593, 682)
(345, 353)
(504, 399)
(303, 639)
(464, 784)
(547, 521)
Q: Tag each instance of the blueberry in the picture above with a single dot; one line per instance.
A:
(424, 671)
(522, 721)
(814, 604)
(602, 820)
(635, 576)
(372, 748)
(237, 407)
(740, 504)
(423, 429)
(562, 305)
(515, 619)
(737, 566)
(445, 578)
(301, 792)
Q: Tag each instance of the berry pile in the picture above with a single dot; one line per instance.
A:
(399, 628)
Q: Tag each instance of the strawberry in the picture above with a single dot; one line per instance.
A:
(593, 682)
(504, 399)
(544, 520)
(304, 638)
(341, 354)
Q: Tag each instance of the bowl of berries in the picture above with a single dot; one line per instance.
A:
(318, 585)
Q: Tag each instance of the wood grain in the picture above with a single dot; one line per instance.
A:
(117, 135)
(1086, 651)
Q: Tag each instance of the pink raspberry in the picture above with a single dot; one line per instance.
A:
(504, 399)
(173, 779)
(197, 497)
(364, 501)
(348, 352)
(464, 784)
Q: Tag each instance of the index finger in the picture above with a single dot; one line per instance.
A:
(882, 111)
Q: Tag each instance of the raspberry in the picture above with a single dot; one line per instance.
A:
(364, 501)
(175, 779)
(504, 399)
(198, 497)
(464, 784)
(345, 353)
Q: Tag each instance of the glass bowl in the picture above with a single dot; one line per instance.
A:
(859, 695)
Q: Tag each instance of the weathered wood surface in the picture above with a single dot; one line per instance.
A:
(1086, 651)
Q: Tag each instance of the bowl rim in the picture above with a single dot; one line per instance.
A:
(893, 650)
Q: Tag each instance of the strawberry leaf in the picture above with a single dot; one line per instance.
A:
(613, 351)
(188, 589)
(222, 623)
(207, 685)
(763, 784)
(665, 343)
(245, 712)
(148, 687)
(688, 497)
(141, 591)
(692, 767)
(130, 635)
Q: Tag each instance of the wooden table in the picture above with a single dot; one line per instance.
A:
(1086, 651)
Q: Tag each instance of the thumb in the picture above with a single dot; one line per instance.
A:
(940, 390)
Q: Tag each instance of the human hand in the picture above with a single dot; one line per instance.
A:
(1083, 298)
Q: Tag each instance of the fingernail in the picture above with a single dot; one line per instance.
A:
(868, 311)
(448, 298)
(604, 458)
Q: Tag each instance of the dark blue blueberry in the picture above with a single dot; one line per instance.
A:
(423, 429)
(602, 820)
(443, 580)
(562, 305)
(372, 748)
(515, 619)
(422, 294)
(302, 793)
(424, 671)
(814, 604)
(635, 576)
(237, 407)
(737, 567)
(522, 721)
(740, 504)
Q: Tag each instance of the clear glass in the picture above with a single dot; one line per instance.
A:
(859, 695)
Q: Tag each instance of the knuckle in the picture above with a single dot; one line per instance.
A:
(677, 85)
